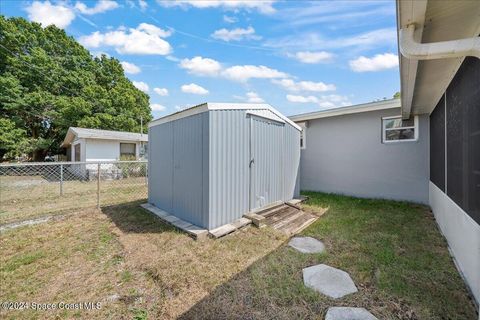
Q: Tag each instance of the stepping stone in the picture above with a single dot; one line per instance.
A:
(332, 282)
(347, 313)
(307, 245)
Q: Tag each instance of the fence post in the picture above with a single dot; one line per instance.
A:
(146, 173)
(61, 179)
(98, 185)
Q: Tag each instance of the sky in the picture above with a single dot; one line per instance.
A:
(298, 56)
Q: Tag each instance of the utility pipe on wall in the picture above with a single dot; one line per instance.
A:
(411, 49)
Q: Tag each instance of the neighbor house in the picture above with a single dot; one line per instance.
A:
(87, 145)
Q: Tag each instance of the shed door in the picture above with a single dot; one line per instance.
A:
(266, 163)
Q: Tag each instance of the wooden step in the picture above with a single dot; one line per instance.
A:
(280, 215)
(271, 210)
(288, 220)
(298, 224)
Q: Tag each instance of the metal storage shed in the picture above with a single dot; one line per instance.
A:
(213, 163)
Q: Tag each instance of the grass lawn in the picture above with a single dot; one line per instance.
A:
(30, 197)
(138, 267)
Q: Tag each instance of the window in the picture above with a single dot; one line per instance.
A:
(127, 151)
(77, 152)
(394, 129)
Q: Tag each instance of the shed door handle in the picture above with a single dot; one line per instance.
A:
(251, 162)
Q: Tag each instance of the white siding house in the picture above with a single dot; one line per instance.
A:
(87, 145)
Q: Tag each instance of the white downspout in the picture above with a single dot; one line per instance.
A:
(411, 49)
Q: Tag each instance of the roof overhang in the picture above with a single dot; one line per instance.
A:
(424, 81)
(221, 106)
(366, 107)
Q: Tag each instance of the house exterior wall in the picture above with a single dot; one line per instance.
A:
(345, 154)
(103, 149)
(82, 143)
(455, 176)
(199, 166)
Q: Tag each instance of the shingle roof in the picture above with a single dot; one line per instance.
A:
(80, 133)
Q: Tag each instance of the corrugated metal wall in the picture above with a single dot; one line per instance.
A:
(229, 163)
(267, 170)
(199, 165)
(160, 166)
(179, 168)
(229, 172)
(291, 158)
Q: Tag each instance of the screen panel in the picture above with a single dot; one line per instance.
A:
(463, 138)
(437, 145)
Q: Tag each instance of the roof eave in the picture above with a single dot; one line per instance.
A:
(359, 108)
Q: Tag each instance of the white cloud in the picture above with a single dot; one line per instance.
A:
(302, 99)
(314, 57)
(325, 101)
(253, 97)
(145, 39)
(161, 91)
(292, 85)
(236, 34)
(101, 6)
(201, 66)
(141, 85)
(245, 72)
(316, 41)
(143, 4)
(229, 19)
(376, 63)
(47, 14)
(157, 107)
(130, 68)
(194, 89)
(262, 6)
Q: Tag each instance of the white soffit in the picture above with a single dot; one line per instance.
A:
(442, 21)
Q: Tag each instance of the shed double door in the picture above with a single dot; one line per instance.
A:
(266, 161)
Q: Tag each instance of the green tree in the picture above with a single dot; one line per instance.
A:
(49, 82)
(396, 95)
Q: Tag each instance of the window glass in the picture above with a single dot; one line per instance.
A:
(397, 129)
(127, 151)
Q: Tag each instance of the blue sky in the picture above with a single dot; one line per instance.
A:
(298, 56)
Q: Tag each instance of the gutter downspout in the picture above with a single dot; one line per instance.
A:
(412, 49)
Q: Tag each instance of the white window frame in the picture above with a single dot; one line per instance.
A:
(384, 130)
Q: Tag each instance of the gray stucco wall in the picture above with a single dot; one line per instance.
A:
(345, 155)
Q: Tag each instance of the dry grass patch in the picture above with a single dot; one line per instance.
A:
(29, 197)
(123, 257)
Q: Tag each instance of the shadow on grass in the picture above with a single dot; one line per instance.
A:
(131, 218)
(392, 250)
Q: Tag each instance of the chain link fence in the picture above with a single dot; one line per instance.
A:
(32, 190)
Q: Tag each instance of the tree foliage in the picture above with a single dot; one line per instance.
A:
(49, 82)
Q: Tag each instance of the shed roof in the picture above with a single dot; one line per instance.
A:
(221, 106)
(365, 107)
(79, 133)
